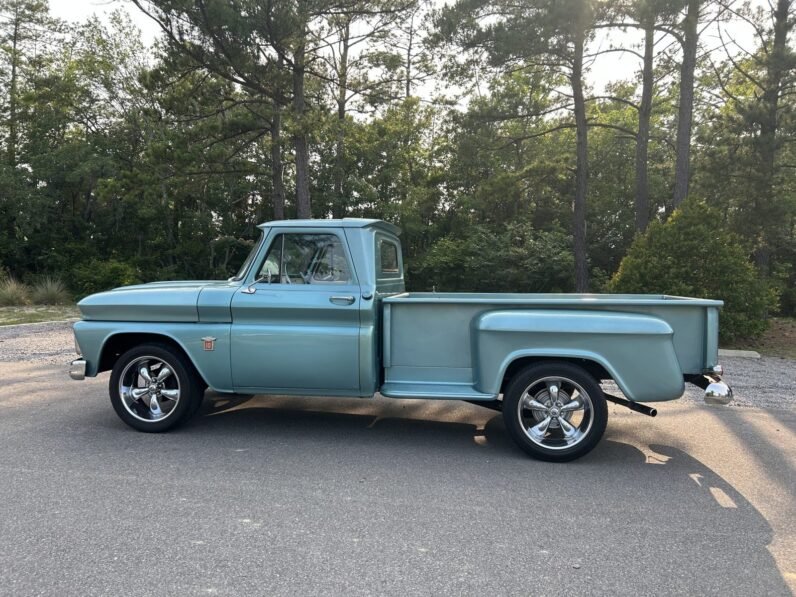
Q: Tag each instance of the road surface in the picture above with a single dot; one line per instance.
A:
(322, 496)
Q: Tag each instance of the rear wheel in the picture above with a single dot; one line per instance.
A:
(154, 388)
(555, 411)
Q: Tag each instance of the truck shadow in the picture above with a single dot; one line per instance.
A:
(683, 528)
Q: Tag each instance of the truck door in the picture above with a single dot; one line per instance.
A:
(296, 327)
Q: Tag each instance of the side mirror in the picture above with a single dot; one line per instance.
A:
(250, 289)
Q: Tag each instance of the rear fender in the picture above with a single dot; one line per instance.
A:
(636, 350)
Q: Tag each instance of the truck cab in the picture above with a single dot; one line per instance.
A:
(311, 298)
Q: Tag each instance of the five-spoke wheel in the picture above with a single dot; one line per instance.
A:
(149, 389)
(154, 387)
(555, 411)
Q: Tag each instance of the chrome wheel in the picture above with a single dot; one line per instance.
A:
(149, 389)
(555, 413)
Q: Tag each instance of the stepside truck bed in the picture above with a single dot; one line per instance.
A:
(458, 346)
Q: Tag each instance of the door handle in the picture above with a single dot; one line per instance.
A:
(342, 300)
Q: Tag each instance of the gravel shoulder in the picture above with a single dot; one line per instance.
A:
(48, 342)
(762, 383)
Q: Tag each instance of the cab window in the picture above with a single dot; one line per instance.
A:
(389, 259)
(306, 259)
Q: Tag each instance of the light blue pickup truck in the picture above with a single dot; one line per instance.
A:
(319, 308)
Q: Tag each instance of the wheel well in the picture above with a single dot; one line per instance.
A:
(593, 368)
(118, 344)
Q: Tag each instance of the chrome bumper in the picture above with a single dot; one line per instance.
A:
(77, 369)
(716, 391)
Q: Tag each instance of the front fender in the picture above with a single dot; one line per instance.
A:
(636, 350)
(212, 365)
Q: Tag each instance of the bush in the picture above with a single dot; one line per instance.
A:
(96, 276)
(13, 293)
(50, 291)
(693, 255)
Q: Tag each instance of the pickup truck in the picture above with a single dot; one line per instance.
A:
(319, 308)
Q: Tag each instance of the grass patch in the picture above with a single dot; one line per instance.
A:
(16, 315)
(13, 292)
(50, 291)
(778, 341)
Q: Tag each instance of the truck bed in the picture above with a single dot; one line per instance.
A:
(429, 344)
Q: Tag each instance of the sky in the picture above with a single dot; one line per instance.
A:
(613, 66)
(80, 10)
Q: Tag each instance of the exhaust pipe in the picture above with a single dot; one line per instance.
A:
(635, 406)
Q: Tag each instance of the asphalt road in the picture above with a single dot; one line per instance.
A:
(307, 496)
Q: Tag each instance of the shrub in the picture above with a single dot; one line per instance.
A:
(50, 291)
(96, 276)
(693, 255)
(13, 293)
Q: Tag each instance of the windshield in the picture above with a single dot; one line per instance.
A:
(245, 267)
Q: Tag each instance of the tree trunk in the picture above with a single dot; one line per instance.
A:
(303, 206)
(686, 108)
(768, 143)
(11, 148)
(277, 184)
(338, 209)
(642, 205)
(581, 168)
(408, 64)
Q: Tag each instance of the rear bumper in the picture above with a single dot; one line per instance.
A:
(77, 369)
(716, 391)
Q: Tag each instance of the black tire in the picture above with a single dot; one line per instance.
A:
(588, 431)
(183, 378)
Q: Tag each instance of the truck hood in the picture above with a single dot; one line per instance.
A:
(177, 301)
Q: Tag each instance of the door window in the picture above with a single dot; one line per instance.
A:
(306, 259)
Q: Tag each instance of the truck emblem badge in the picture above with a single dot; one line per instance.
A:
(209, 342)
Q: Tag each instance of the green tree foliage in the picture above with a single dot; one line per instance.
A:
(95, 276)
(478, 128)
(746, 168)
(515, 259)
(692, 254)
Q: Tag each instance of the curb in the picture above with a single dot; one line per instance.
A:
(741, 354)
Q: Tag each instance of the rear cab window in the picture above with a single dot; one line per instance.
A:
(389, 263)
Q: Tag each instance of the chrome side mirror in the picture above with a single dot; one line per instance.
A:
(250, 289)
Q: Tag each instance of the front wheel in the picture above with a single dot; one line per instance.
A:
(154, 388)
(555, 411)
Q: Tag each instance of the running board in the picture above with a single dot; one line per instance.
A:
(434, 391)
(639, 408)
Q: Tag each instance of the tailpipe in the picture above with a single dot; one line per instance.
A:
(635, 406)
